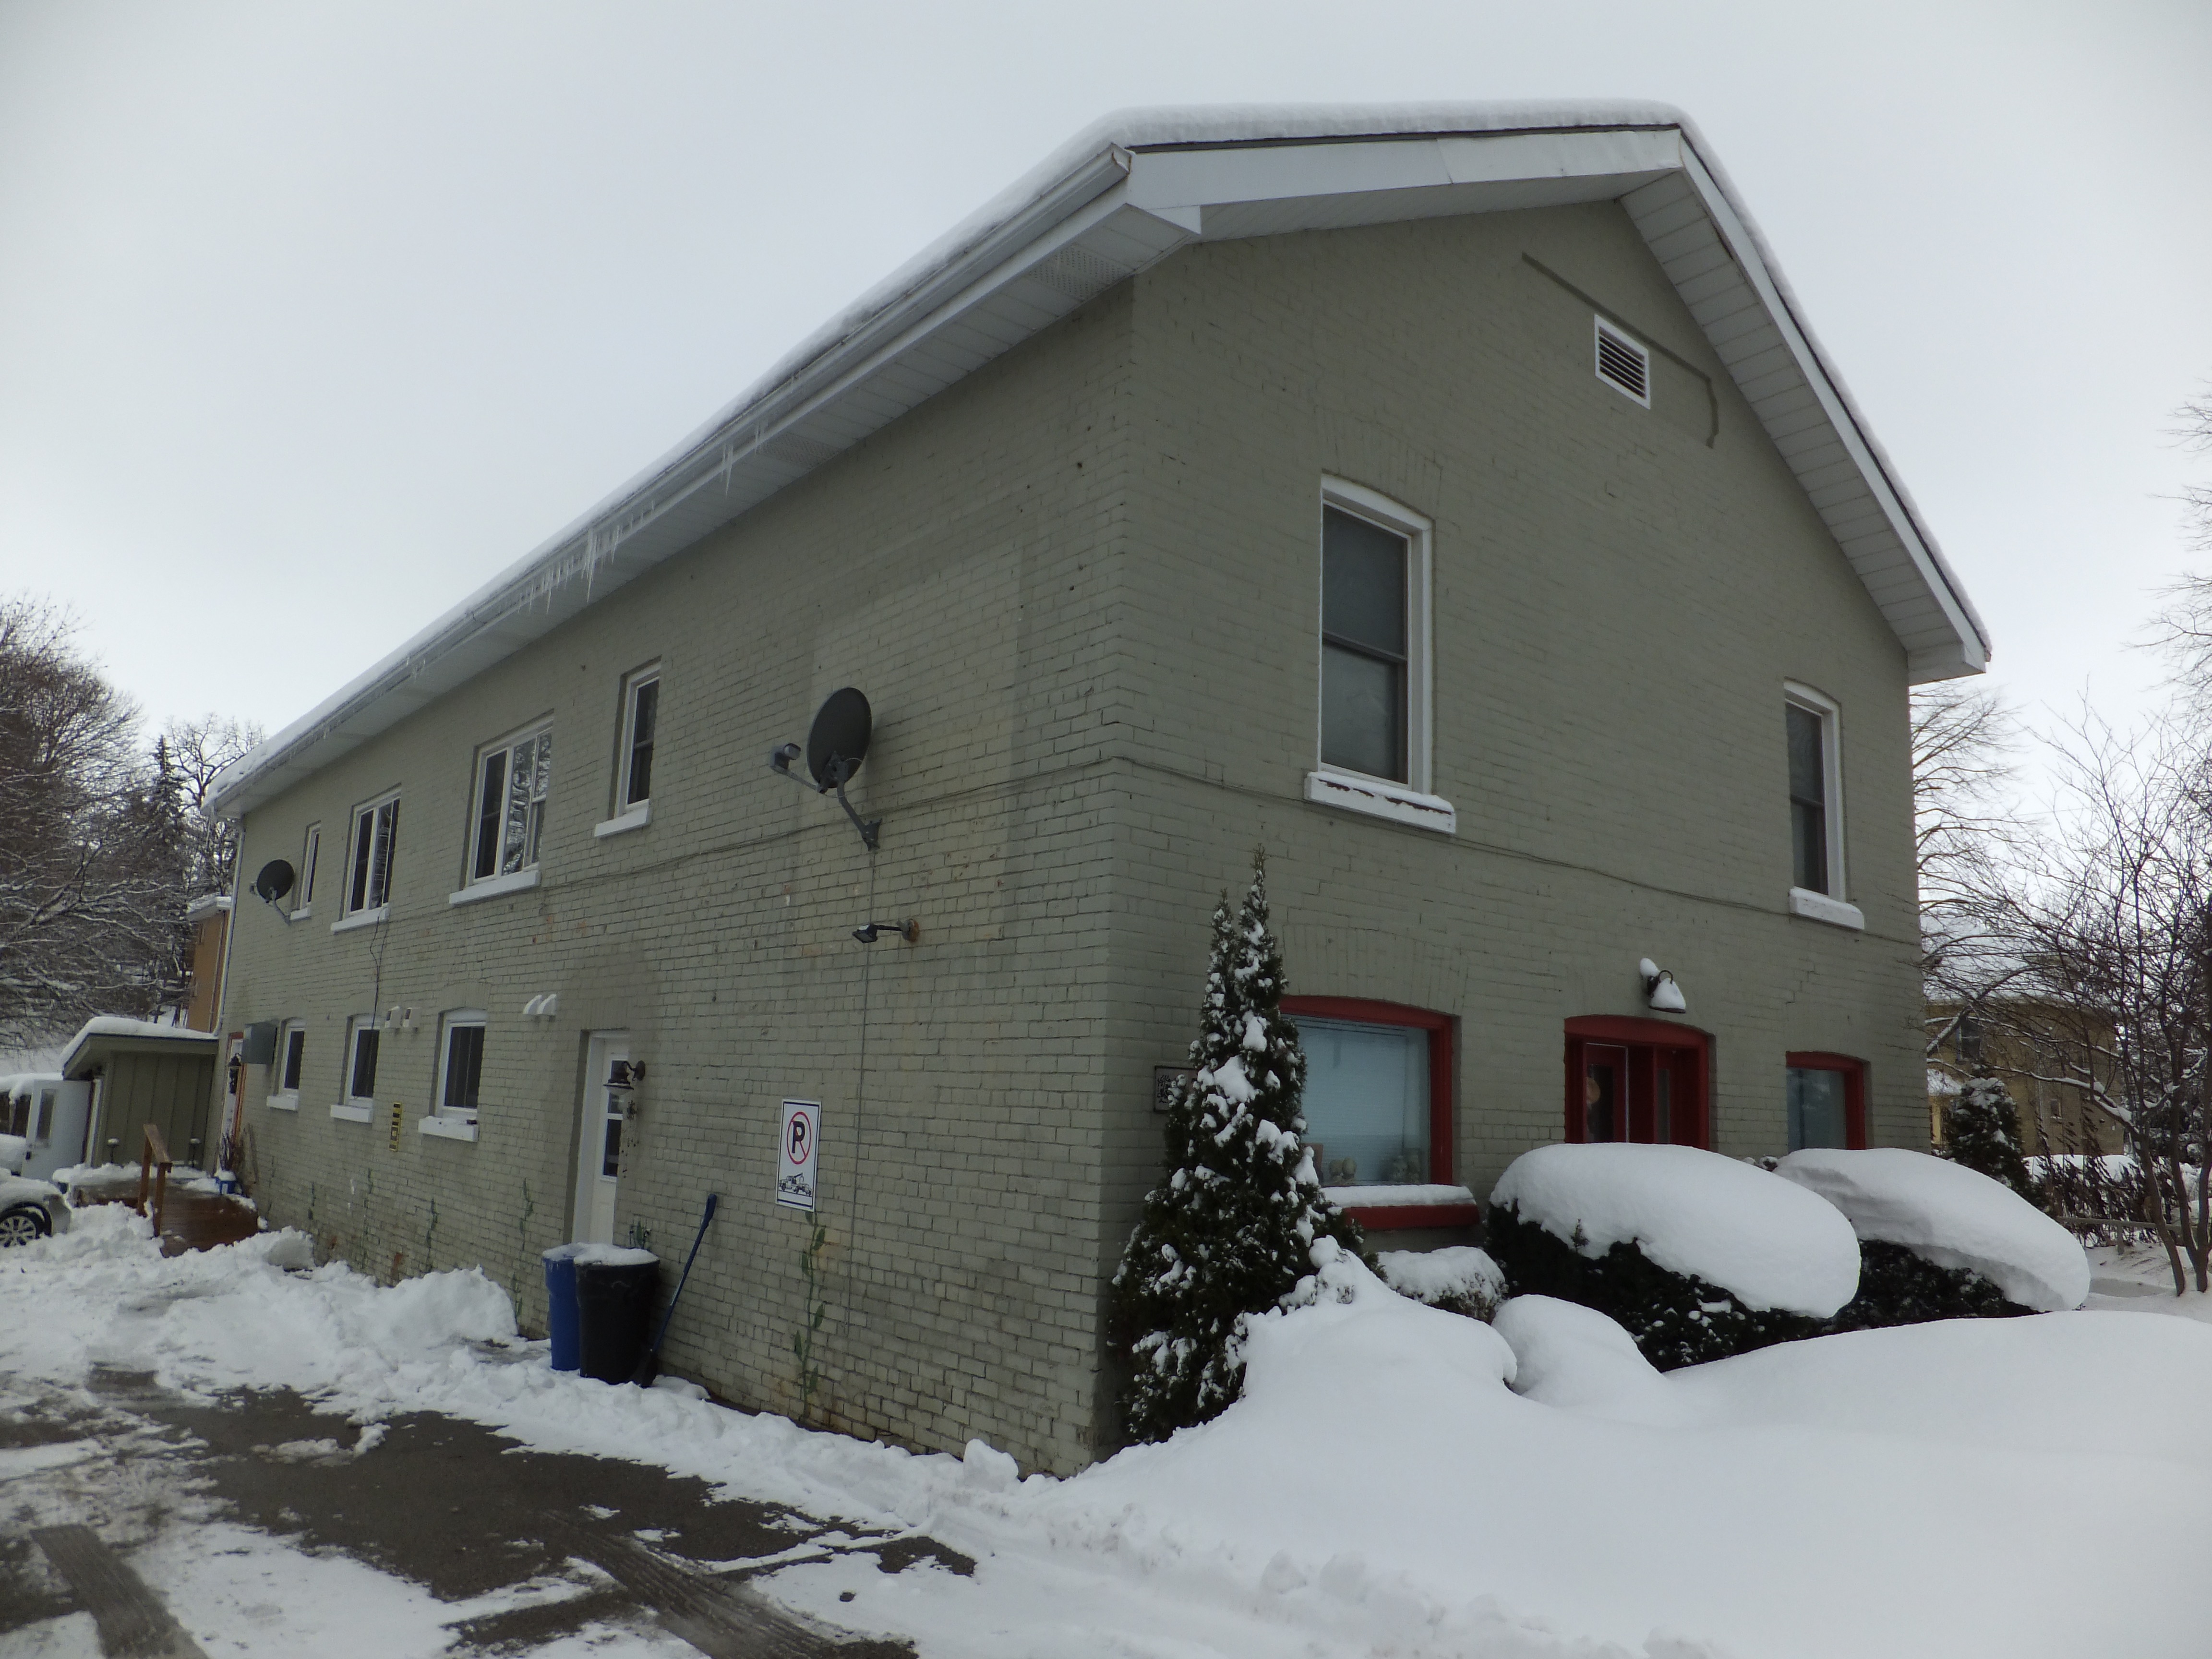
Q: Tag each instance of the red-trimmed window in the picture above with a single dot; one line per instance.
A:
(1645, 1080)
(1378, 1103)
(1825, 1096)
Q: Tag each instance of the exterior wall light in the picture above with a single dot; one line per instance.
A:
(869, 933)
(1660, 991)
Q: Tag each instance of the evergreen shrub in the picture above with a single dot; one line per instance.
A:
(1899, 1287)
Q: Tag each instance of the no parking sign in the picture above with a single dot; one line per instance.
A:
(795, 1148)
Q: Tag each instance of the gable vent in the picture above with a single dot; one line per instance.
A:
(1622, 364)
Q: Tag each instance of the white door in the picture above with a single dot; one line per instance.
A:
(599, 1139)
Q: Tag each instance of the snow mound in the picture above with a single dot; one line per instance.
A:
(1577, 1359)
(1952, 1216)
(1459, 1273)
(1695, 1212)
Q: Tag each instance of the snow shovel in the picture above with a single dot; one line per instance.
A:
(649, 1367)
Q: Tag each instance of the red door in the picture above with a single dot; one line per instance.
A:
(1636, 1079)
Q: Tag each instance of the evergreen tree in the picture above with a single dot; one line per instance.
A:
(1981, 1130)
(1230, 1231)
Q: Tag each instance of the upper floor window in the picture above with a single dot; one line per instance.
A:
(375, 833)
(511, 779)
(310, 850)
(1816, 796)
(641, 715)
(1374, 636)
(363, 1037)
(291, 1057)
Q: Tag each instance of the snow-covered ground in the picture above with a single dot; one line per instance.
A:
(2015, 1487)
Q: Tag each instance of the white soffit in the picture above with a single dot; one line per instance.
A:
(1123, 196)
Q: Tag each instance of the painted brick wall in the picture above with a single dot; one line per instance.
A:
(1081, 589)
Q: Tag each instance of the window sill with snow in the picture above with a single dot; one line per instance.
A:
(1381, 800)
(350, 1114)
(1384, 1209)
(517, 881)
(1818, 907)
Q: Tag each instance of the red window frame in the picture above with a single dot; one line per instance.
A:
(1440, 1027)
(1854, 1070)
(1642, 1039)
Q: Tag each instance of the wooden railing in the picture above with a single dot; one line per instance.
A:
(154, 1153)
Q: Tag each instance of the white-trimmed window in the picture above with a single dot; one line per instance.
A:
(364, 1034)
(1814, 730)
(1374, 637)
(42, 1122)
(460, 1064)
(640, 719)
(511, 778)
(311, 850)
(291, 1060)
(374, 834)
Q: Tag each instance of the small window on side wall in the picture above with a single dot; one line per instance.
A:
(1374, 636)
(362, 1039)
(641, 720)
(291, 1057)
(1824, 1096)
(460, 1065)
(1816, 793)
(311, 850)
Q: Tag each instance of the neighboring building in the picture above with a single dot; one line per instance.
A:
(1453, 500)
(2020, 1040)
(135, 1073)
(210, 923)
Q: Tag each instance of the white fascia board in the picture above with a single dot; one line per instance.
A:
(1841, 416)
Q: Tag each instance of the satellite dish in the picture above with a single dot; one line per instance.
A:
(274, 881)
(838, 741)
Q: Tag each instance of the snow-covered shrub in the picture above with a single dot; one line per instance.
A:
(1981, 1131)
(1576, 1359)
(1460, 1279)
(1698, 1256)
(1940, 1241)
(1231, 1230)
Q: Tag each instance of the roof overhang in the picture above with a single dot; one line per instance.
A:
(94, 1051)
(1123, 195)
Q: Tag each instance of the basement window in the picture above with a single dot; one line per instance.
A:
(1623, 363)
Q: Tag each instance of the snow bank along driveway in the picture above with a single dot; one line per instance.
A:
(1999, 1488)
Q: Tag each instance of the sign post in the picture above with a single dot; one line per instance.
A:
(796, 1145)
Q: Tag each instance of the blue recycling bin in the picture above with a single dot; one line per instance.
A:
(561, 1319)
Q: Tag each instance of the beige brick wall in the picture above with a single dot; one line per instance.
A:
(1081, 590)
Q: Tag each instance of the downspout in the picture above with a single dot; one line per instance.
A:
(222, 988)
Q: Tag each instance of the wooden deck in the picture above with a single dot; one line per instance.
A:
(189, 1221)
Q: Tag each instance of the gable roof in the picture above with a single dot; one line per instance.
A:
(1123, 194)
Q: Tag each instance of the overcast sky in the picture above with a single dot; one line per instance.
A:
(312, 318)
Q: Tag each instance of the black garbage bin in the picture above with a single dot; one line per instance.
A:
(616, 1290)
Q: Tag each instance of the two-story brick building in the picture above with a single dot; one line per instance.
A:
(1452, 500)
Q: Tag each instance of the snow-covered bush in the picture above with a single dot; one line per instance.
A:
(1940, 1241)
(1231, 1230)
(1981, 1131)
(1460, 1279)
(1698, 1256)
(1576, 1359)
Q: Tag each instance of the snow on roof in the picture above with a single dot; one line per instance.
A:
(115, 1025)
(1952, 1216)
(16, 1086)
(976, 291)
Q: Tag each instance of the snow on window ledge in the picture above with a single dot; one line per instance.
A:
(515, 881)
(350, 1114)
(362, 919)
(636, 818)
(1818, 907)
(447, 1127)
(1378, 799)
(283, 1102)
(1385, 1197)
(303, 913)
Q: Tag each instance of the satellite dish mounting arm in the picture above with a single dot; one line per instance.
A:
(779, 760)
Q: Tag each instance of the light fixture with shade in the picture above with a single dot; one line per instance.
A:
(1660, 991)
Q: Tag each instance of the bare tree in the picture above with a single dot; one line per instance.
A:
(2114, 924)
(1963, 826)
(197, 749)
(91, 843)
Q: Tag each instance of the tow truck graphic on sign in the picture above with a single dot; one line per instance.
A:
(795, 1149)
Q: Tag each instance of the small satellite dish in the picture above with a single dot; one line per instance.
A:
(837, 742)
(274, 881)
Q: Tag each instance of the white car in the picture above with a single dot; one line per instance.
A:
(30, 1210)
